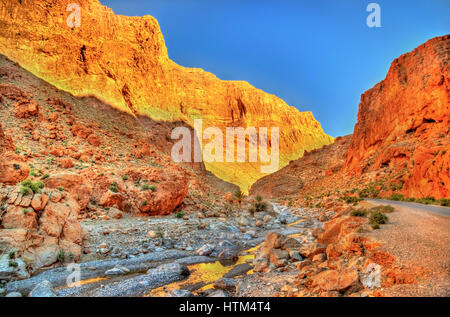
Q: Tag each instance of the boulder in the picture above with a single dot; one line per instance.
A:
(334, 280)
(78, 186)
(205, 250)
(12, 269)
(43, 289)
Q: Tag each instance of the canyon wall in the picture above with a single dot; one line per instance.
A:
(403, 122)
(124, 62)
(401, 142)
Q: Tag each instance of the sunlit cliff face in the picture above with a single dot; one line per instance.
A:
(124, 62)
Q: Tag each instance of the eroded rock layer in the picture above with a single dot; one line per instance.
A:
(124, 62)
(403, 122)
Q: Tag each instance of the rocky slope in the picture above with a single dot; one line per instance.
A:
(404, 123)
(65, 159)
(124, 62)
(314, 166)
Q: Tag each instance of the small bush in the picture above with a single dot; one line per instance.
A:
(125, 177)
(61, 256)
(114, 188)
(148, 187)
(45, 176)
(179, 214)
(351, 199)
(444, 202)
(37, 186)
(28, 185)
(11, 255)
(396, 197)
(24, 190)
(361, 212)
(13, 264)
(426, 200)
(258, 206)
(377, 217)
(238, 195)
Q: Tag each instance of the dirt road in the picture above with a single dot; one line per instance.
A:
(419, 238)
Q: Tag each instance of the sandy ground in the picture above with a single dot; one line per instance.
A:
(418, 238)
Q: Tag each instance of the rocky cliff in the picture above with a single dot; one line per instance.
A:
(124, 61)
(401, 142)
(403, 123)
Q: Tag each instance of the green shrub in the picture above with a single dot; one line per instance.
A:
(28, 185)
(361, 212)
(259, 205)
(24, 190)
(238, 194)
(114, 188)
(351, 199)
(426, 200)
(444, 202)
(45, 176)
(37, 186)
(179, 214)
(13, 264)
(11, 255)
(396, 197)
(125, 177)
(61, 256)
(377, 217)
(148, 187)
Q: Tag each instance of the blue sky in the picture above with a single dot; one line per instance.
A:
(316, 55)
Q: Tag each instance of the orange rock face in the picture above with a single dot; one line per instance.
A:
(12, 167)
(403, 122)
(124, 61)
(38, 228)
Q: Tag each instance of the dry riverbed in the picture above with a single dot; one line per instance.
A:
(167, 256)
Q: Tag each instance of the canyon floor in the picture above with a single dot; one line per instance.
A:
(161, 256)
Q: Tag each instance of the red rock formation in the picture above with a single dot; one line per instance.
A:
(404, 122)
(38, 228)
(124, 61)
(12, 167)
